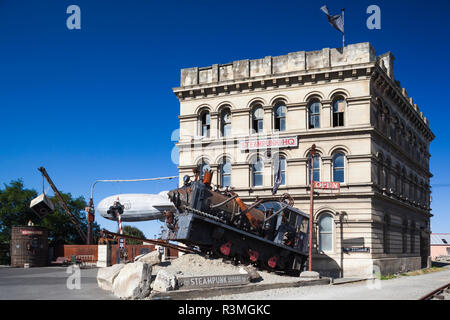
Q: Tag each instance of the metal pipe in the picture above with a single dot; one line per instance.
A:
(257, 203)
(152, 241)
(224, 202)
(311, 204)
(63, 204)
(276, 213)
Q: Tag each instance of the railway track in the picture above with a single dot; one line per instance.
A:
(442, 293)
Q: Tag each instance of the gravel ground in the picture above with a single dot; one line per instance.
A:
(190, 265)
(403, 288)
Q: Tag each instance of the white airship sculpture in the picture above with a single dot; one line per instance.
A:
(137, 207)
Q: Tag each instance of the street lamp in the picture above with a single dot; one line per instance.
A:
(312, 153)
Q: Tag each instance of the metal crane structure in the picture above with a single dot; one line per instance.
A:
(87, 239)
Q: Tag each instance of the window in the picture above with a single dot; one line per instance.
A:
(257, 120)
(204, 165)
(386, 234)
(392, 131)
(314, 114)
(404, 234)
(280, 117)
(225, 122)
(225, 173)
(339, 167)
(316, 168)
(326, 233)
(387, 173)
(338, 112)
(257, 172)
(411, 187)
(403, 183)
(281, 163)
(413, 237)
(204, 123)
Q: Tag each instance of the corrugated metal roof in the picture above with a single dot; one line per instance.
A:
(440, 238)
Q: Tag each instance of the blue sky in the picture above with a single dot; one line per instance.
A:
(96, 103)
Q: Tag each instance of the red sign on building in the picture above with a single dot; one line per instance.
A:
(31, 232)
(268, 143)
(327, 185)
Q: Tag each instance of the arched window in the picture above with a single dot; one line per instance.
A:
(280, 164)
(325, 232)
(338, 112)
(392, 129)
(225, 173)
(408, 139)
(411, 188)
(316, 168)
(204, 122)
(403, 183)
(257, 120)
(401, 138)
(387, 169)
(314, 114)
(257, 172)
(339, 167)
(416, 190)
(204, 165)
(225, 122)
(280, 117)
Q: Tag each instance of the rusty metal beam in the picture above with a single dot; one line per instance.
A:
(63, 204)
(162, 243)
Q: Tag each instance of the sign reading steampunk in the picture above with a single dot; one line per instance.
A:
(267, 143)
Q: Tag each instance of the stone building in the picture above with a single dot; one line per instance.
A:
(248, 118)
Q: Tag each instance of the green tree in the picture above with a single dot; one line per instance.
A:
(15, 210)
(132, 231)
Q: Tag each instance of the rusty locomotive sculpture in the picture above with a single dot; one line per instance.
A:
(270, 233)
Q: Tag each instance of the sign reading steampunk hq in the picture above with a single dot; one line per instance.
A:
(248, 118)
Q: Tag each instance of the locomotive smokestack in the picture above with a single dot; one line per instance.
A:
(207, 177)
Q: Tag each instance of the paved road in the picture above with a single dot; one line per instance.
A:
(48, 283)
(403, 288)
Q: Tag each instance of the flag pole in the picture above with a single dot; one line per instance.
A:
(343, 33)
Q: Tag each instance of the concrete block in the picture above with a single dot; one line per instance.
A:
(151, 258)
(103, 256)
(309, 275)
(164, 282)
(241, 69)
(107, 275)
(253, 274)
(189, 76)
(131, 280)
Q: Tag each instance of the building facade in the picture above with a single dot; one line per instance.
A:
(250, 120)
(440, 246)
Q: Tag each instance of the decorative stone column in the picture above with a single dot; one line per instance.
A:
(216, 171)
(326, 112)
(214, 125)
(296, 116)
(268, 120)
(326, 170)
